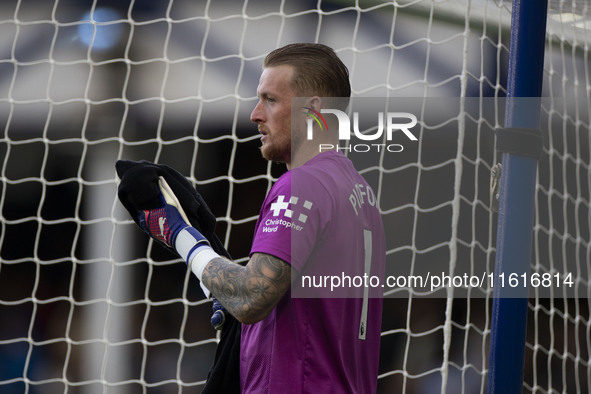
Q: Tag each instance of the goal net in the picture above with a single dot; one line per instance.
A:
(89, 304)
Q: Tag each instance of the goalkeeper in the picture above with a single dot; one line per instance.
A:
(308, 223)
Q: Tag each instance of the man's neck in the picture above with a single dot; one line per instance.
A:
(306, 153)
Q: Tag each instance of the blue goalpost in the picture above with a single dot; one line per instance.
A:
(519, 143)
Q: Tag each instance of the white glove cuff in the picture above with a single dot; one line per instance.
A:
(188, 241)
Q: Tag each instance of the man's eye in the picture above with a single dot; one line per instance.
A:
(270, 100)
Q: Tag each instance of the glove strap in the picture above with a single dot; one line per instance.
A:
(196, 252)
(187, 241)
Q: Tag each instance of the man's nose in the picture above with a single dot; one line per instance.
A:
(256, 115)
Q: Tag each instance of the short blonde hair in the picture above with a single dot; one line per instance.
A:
(318, 71)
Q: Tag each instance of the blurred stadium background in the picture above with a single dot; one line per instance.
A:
(88, 304)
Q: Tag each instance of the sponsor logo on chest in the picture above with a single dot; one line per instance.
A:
(288, 212)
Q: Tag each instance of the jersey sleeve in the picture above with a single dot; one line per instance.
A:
(290, 222)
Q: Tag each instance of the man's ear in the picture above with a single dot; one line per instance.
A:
(315, 103)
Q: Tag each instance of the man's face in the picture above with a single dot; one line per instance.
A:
(272, 113)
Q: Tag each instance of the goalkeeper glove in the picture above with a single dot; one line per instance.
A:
(169, 224)
(219, 315)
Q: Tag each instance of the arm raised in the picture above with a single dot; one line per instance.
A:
(248, 292)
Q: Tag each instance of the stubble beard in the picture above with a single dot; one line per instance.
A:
(277, 151)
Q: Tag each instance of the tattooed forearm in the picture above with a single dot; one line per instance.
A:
(248, 292)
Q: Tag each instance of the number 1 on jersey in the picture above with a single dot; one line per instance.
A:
(367, 246)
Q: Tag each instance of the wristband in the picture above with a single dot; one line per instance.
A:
(200, 258)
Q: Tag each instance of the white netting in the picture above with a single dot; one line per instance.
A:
(88, 304)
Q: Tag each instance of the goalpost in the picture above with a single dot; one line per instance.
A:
(88, 304)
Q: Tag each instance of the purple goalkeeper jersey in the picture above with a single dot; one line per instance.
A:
(324, 334)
